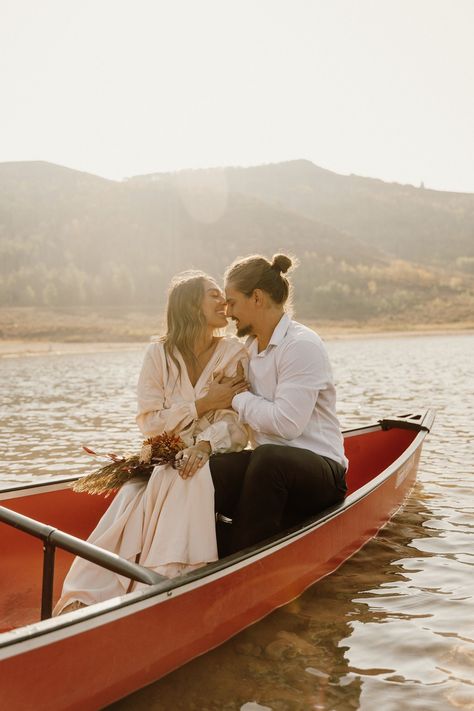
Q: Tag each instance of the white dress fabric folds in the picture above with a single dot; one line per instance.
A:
(166, 523)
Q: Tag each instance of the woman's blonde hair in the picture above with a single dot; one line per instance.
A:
(185, 320)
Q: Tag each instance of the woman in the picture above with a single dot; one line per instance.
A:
(186, 385)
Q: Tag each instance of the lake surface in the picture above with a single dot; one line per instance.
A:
(393, 628)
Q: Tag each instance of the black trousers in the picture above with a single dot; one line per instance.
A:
(271, 488)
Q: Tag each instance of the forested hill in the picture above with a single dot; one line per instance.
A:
(69, 238)
(413, 223)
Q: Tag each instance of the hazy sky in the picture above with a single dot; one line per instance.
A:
(383, 88)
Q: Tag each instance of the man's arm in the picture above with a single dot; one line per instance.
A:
(303, 370)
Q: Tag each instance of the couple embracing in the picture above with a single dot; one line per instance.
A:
(276, 391)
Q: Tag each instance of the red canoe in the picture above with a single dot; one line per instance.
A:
(94, 656)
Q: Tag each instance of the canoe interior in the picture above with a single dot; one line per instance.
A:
(21, 556)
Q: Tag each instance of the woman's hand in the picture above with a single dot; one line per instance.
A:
(222, 391)
(189, 460)
(239, 376)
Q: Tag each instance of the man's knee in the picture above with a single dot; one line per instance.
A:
(268, 453)
(271, 459)
(268, 465)
(230, 460)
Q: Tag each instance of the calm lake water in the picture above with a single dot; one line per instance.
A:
(393, 628)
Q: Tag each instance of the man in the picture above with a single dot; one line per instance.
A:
(298, 465)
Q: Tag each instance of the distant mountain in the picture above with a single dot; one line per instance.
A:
(69, 238)
(426, 226)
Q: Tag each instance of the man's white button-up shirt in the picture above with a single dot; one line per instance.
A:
(293, 399)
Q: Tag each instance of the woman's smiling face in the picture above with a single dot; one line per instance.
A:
(213, 305)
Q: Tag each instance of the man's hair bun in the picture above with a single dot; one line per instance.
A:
(257, 272)
(281, 263)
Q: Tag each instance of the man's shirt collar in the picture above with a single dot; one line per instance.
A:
(280, 331)
(278, 334)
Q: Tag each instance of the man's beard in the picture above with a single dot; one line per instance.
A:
(244, 331)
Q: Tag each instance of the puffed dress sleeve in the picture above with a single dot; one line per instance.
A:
(225, 433)
(154, 413)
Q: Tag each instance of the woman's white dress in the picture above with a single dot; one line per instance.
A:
(166, 523)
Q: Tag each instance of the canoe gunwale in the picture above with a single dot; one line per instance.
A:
(106, 611)
(424, 425)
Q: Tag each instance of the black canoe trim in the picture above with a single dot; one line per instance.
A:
(419, 423)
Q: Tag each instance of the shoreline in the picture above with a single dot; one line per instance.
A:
(30, 347)
(23, 348)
